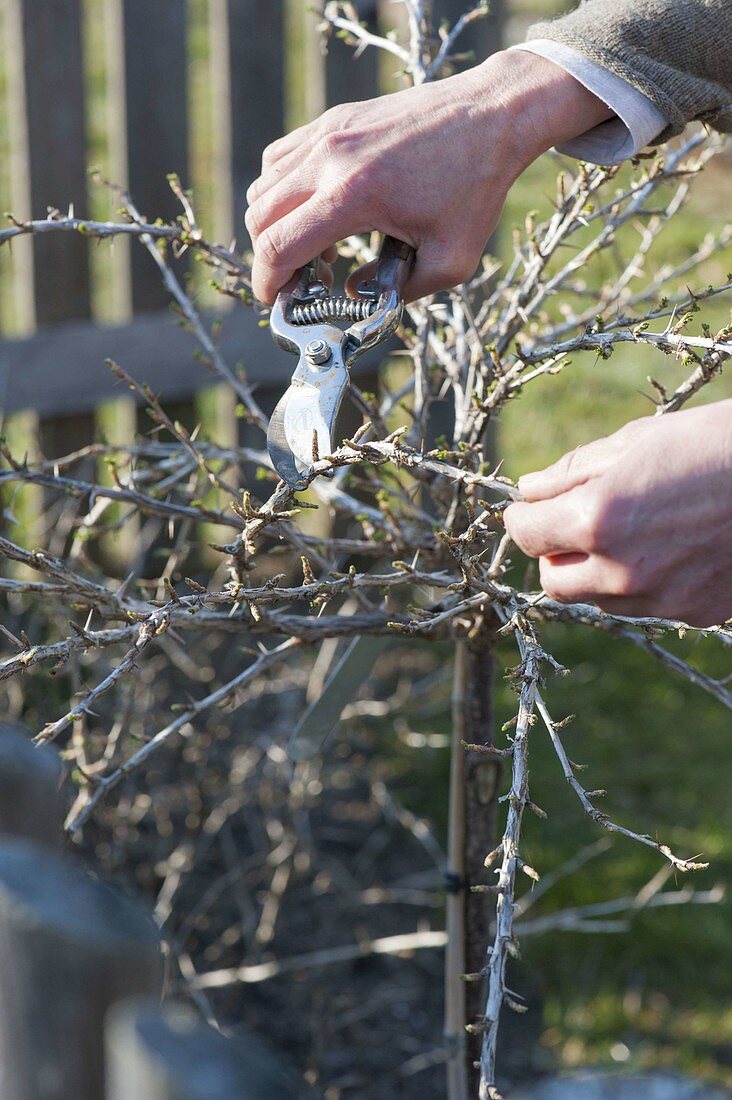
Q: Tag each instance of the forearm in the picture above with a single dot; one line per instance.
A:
(678, 53)
(537, 103)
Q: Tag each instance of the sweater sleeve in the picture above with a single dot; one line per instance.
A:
(678, 53)
(636, 120)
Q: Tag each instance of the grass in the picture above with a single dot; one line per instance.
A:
(594, 397)
(659, 994)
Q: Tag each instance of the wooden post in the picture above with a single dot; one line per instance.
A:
(170, 1054)
(49, 163)
(247, 70)
(69, 948)
(349, 76)
(473, 793)
(454, 1026)
(31, 802)
(473, 808)
(482, 776)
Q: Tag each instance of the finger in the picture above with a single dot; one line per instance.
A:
(279, 200)
(330, 254)
(572, 580)
(291, 242)
(434, 270)
(578, 466)
(547, 527)
(275, 171)
(572, 469)
(283, 146)
(439, 266)
(325, 273)
(588, 578)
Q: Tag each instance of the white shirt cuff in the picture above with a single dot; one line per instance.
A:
(638, 121)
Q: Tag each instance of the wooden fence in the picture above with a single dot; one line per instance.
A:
(196, 87)
(82, 973)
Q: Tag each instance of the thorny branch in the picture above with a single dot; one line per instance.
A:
(407, 538)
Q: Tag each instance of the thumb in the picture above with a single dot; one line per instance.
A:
(572, 469)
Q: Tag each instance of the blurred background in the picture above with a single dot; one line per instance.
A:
(142, 89)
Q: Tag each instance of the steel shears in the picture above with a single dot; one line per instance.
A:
(304, 321)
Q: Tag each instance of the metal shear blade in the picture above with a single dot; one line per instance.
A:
(303, 424)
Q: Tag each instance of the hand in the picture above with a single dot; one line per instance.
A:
(430, 165)
(640, 522)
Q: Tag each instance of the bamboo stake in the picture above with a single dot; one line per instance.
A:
(454, 1027)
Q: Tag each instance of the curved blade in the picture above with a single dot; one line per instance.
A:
(302, 425)
(343, 684)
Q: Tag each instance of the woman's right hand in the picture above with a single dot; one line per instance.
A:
(430, 165)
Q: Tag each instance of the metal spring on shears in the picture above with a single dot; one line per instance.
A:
(333, 309)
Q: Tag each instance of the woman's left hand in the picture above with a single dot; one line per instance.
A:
(640, 522)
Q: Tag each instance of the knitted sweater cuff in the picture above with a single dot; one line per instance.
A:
(678, 95)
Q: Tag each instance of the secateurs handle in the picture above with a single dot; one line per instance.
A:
(394, 265)
(374, 314)
(393, 268)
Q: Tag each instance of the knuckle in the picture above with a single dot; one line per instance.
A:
(624, 581)
(574, 458)
(591, 522)
(270, 153)
(329, 146)
(340, 142)
(270, 247)
(251, 220)
(550, 583)
(345, 190)
(275, 149)
(339, 117)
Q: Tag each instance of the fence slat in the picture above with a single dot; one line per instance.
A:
(350, 77)
(152, 123)
(484, 37)
(329, 71)
(170, 1054)
(46, 86)
(47, 93)
(69, 948)
(248, 95)
(31, 804)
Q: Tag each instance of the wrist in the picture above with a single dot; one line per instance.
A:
(536, 104)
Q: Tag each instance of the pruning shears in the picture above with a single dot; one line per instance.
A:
(303, 321)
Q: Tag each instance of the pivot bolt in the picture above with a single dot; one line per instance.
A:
(318, 352)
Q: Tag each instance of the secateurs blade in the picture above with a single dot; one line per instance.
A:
(304, 321)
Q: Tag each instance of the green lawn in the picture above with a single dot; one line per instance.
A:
(661, 993)
(658, 994)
